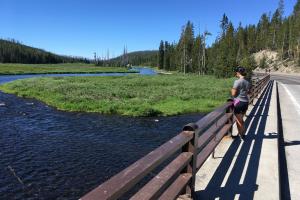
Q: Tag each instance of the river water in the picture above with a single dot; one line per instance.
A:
(141, 70)
(51, 154)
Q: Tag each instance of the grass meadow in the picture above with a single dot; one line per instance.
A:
(16, 68)
(132, 95)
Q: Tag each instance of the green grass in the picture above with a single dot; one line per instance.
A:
(16, 68)
(128, 95)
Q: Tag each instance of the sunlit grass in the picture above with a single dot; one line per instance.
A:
(16, 68)
(128, 95)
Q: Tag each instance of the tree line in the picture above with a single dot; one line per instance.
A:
(12, 51)
(233, 46)
(144, 58)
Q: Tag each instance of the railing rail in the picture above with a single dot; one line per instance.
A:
(196, 142)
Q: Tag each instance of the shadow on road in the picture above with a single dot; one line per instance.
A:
(242, 178)
(292, 143)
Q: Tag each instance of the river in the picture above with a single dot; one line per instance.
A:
(51, 154)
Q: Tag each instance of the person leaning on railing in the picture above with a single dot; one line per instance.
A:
(239, 93)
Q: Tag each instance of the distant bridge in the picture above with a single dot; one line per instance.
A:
(204, 162)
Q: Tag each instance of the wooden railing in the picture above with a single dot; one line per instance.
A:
(195, 144)
(258, 83)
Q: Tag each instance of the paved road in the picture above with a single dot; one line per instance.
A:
(289, 97)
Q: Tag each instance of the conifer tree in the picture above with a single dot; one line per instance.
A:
(167, 56)
(161, 55)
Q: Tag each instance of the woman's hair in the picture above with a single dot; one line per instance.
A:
(241, 70)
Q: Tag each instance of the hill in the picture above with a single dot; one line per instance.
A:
(271, 60)
(12, 51)
(145, 58)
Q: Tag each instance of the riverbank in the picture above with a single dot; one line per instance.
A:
(163, 71)
(128, 95)
(63, 68)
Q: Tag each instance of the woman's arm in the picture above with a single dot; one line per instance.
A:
(233, 92)
(234, 89)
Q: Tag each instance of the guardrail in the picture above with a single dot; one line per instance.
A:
(195, 143)
(257, 86)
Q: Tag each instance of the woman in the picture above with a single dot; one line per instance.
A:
(240, 91)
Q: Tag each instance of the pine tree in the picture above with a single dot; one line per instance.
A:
(224, 25)
(275, 26)
(181, 51)
(204, 54)
(296, 31)
(167, 56)
(196, 55)
(251, 38)
(161, 55)
(241, 43)
(263, 30)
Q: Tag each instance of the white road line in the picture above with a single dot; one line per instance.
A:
(246, 163)
(237, 196)
(231, 165)
(294, 101)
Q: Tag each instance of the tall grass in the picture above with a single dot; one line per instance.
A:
(128, 95)
(16, 68)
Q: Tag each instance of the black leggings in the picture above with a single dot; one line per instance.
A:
(241, 107)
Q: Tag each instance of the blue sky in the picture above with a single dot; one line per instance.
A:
(81, 27)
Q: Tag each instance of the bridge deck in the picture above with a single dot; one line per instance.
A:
(246, 169)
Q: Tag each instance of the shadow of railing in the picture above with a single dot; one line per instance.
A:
(240, 179)
(292, 143)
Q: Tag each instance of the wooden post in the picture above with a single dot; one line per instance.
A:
(191, 146)
(229, 110)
